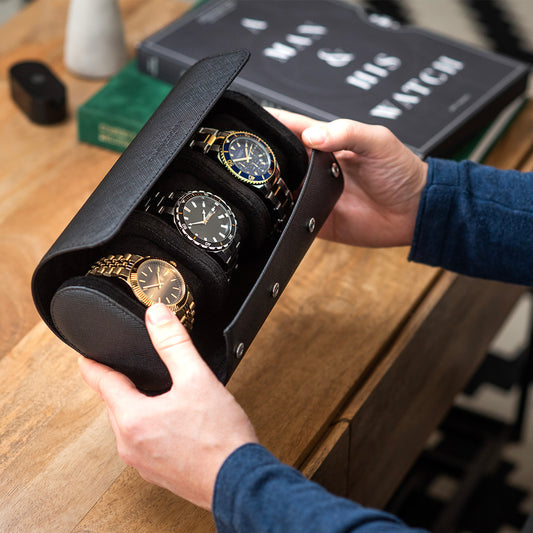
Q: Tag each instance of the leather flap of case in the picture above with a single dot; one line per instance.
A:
(322, 187)
(140, 165)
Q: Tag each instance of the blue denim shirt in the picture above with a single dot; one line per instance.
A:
(472, 219)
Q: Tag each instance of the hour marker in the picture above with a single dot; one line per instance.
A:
(193, 204)
(187, 209)
(221, 234)
(224, 226)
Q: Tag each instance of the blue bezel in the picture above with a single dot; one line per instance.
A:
(252, 179)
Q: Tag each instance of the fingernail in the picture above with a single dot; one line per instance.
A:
(314, 135)
(158, 314)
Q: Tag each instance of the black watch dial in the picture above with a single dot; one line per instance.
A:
(159, 281)
(206, 220)
(248, 157)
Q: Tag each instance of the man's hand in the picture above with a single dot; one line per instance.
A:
(383, 180)
(180, 439)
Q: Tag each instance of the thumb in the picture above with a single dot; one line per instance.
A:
(171, 340)
(344, 134)
(295, 122)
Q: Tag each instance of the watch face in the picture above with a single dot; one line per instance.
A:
(155, 280)
(206, 220)
(248, 157)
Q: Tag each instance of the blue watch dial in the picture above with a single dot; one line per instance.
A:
(248, 157)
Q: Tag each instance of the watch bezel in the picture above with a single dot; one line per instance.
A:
(133, 281)
(186, 231)
(233, 168)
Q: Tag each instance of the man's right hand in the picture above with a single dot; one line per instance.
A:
(383, 180)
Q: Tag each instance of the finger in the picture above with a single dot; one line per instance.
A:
(113, 387)
(90, 372)
(295, 122)
(346, 134)
(171, 340)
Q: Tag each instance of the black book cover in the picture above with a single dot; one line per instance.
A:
(328, 59)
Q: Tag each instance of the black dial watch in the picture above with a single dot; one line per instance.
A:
(151, 280)
(248, 158)
(203, 218)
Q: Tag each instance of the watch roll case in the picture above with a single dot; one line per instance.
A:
(100, 317)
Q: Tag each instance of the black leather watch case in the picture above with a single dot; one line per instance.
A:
(99, 317)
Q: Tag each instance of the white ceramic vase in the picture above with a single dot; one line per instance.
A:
(94, 38)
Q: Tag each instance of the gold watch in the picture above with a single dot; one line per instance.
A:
(152, 280)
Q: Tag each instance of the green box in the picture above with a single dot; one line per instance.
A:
(116, 113)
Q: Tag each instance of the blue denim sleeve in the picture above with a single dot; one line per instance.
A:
(476, 220)
(256, 493)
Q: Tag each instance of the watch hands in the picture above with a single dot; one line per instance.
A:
(210, 214)
(152, 286)
(247, 154)
(158, 278)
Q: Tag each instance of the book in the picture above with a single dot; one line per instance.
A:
(328, 60)
(477, 147)
(116, 113)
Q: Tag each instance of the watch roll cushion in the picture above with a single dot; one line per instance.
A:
(110, 330)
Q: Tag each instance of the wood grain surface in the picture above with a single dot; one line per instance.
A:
(324, 367)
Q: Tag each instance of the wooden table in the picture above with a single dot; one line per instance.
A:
(349, 394)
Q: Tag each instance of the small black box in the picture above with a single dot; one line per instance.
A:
(38, 92)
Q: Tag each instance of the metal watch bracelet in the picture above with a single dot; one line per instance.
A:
(120, 266)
